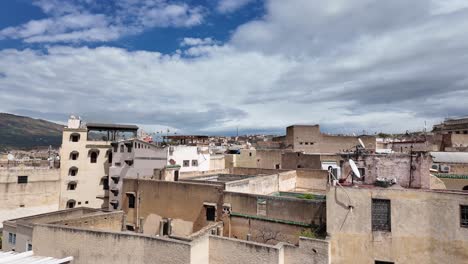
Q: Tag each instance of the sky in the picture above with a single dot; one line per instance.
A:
(214, 66)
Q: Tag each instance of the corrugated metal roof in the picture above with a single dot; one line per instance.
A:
(450, 157)
(28, 258)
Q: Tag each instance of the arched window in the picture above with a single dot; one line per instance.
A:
(93, 157)
(71, 186)
(122, 148)
(74, 137)
(74, 155)
(465, 188)
(71, 204)
(73, 171)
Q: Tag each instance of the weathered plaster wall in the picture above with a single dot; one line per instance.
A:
(177, 200)
(454, 184)
(101, 221)
(295, 160)
(269, 158)
(309, 251)
(309, 179)
(217, 162)
(425, 227)
(91, 246)
(232, 251)
(277, 207)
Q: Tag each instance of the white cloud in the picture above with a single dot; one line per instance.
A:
(81, 20)
(365, 64)
(228, 6)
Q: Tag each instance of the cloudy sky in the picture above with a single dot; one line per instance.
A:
(211, 66)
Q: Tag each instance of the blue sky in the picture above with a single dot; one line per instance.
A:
(212, 66)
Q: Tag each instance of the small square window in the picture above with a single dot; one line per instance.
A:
(195, 163)
(117, 164)
(464, 216)
(129, 162)
(22, 179)
(307, 143)
(186, 163)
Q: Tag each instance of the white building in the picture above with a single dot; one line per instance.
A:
(190, 158)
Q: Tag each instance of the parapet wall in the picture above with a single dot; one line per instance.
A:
(309, 179)
(91, 246)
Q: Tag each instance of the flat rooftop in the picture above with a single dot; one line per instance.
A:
(221, 177)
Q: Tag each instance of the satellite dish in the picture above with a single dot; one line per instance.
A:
(361, 143)
(354, 168)
(11, 157)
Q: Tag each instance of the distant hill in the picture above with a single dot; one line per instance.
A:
(20, 132)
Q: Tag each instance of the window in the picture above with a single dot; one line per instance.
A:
(464, 215)
(307, 143)
(261, 207)
(383, 262)
(250, 154)
(109, 157)
(210, 213)
(277, 166)
(195, 163)
(118, 164)
(301, 143)
(129, 148)
(122, 148)
(75, 137)
(129, 162)
(12, 238)
(71, 186)
(29, 246)
(73, 171)
(71, 204)
(362, 171)
(74, 155)
(22, 179)
(186, 163)
(105, 183)
(130, 228)
(381, 217)
(93, 157)
(131, 200)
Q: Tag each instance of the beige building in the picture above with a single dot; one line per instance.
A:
(26, 190)
(370, 225)
(85, 160)
(239, 216)
(309, 139)
(244, 158)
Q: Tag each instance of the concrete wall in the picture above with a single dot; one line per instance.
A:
(425, 227)
(246, 159)
(310, 140)
(91, 246)
(268, 181)
(39, 195)
(232, 251)
(308, 179)
(101, 221)
(454, 184)
(269, 158)
(295, 160)
(89, 190)
(176, 200)
(278, 207)
(309, 251)
(395, 166)
(217, 162)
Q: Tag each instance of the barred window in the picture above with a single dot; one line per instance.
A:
(381, 215)
(464, 215)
